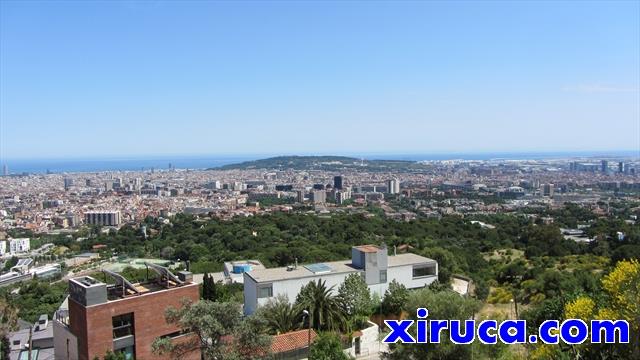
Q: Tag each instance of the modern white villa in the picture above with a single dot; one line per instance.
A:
(372, 262)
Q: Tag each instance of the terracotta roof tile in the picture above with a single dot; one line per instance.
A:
(368, 248)
(291, 341)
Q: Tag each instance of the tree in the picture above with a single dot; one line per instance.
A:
(447, 263)
(441, 305)
(546, 240)
(10, 263)
(36, 298)
(580, 308)
(626, 252)
(327, 346)
(8, 320)
(281, 316)
(325, 311)
(395, 298)
(623, 287)
(355, 297)
(250, 339)
(218, 332)
(622, 291)
(167, 252)
(208, 287)
(110, 355)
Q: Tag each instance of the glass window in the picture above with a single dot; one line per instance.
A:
(424, 270)
(383, 276)
(122, 325)
(128, 352)
(265, 291)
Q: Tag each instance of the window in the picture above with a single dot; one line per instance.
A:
(424, 270)
(172, 335)
(129, 352)
(383, 276)
(265, 291)
(122, 325)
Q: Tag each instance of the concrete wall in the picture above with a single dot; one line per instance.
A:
(369, 342)
(406, 274)
(64, 342)
(403, 275)
(374, 263)
(291, 287)
(250, 295)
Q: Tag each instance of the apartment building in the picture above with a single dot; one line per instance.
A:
(124, 317)
(104, 218)
(20, 245)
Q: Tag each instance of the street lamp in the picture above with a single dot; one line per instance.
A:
(305, 313)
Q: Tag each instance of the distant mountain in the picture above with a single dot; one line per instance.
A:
(327, 163)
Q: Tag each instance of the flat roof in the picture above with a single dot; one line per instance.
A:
(123, 288)
(368, 248)
(282, 273)
(337, 267)
(319, 268)
(408, 259)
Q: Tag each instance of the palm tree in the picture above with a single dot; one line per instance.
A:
(325, 311)
(280, 315)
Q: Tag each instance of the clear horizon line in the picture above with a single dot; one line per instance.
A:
(314, 153)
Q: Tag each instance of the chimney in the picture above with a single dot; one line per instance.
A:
(394, 251)
(296, 260)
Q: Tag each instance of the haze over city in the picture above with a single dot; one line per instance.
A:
(113, 79)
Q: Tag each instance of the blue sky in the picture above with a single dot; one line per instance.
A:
(137, 78)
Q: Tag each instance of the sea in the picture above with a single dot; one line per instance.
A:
(72, 165)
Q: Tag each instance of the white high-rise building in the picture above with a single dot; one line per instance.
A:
(393, 186)
(20, 245)
(3, 247)
(213, 185)
(341, 196)
(319, 196)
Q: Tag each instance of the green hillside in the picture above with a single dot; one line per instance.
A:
(327, 163)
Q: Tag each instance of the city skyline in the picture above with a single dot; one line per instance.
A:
(317, 78)
(282, 179)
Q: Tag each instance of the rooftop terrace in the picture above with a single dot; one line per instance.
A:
(90, 291)
(334, 267)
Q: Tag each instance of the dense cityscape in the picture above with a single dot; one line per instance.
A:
(86, 228)
(321, 180)
(61, 203)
